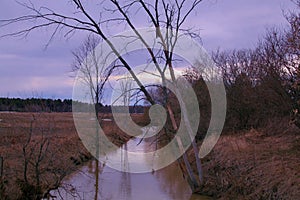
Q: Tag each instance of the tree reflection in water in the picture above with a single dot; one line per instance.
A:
(125, 184)
(167, 183)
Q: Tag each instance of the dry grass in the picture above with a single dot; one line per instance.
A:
(65, 153)
(256, 164)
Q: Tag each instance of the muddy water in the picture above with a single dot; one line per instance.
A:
(164, 184)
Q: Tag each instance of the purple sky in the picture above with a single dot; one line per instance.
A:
(27, 70)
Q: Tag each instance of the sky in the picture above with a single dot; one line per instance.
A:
(28, 69)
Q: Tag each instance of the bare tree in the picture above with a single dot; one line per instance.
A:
(168, 17)
(89, 69)
(270, 71)
(40, 175)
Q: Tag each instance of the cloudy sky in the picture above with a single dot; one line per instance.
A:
(27, 69)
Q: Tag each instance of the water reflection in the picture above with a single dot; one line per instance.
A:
(164, 184)
(125, 184)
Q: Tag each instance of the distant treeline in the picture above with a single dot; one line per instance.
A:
(54, 105)
(35, 105)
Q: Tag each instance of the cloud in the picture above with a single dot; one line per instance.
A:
(25, 66)
(49, 86)
(238, 24)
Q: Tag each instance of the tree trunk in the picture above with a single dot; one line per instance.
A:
(194, 184)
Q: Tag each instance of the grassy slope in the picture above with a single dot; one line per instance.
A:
(255, 164)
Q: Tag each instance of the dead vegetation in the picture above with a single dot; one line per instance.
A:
(39, 150)
(255, 164)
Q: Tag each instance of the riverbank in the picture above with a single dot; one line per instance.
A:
(48, 144)
(255, 164)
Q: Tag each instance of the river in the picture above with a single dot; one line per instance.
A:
(164, 184)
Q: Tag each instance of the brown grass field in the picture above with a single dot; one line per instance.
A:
(64, 154)
(254, 164)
